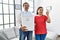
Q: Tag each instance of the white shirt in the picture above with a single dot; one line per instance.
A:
(19, 18)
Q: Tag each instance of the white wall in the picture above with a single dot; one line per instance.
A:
(54, 13)
(36, 4)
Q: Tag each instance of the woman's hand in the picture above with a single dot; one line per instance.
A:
(47, 12)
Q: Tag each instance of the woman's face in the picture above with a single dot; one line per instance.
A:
(40, 11)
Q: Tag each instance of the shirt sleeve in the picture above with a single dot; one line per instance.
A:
(45, 18)
(18, 20)
(34, 19)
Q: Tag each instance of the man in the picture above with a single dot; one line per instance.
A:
(22, 28)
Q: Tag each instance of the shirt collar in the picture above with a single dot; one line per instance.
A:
(25, 11)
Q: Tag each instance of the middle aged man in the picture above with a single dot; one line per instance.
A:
(22, 28)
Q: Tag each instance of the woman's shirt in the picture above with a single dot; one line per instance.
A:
(40, 24)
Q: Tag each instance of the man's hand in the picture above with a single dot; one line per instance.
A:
(23, 28)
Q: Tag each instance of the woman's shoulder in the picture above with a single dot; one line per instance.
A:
(36, 15)
(44, 16)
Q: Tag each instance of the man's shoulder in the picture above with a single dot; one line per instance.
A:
(22, 12)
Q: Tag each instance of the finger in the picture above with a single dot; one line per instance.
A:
(24, 27)
(25, 30)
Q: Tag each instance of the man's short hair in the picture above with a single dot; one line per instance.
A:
(25, 3)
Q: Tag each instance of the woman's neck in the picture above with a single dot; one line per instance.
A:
(40, 14)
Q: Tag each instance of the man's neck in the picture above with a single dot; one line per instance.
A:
(26, 10)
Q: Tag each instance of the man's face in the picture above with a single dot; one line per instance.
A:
(26, 6)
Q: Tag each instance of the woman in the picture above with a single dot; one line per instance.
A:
(40, 24)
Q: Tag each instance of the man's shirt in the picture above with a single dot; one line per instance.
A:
(19, 21)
